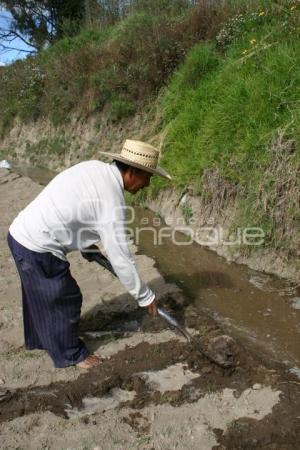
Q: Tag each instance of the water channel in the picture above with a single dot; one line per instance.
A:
(260, 308)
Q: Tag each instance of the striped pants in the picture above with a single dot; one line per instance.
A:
(51, 305)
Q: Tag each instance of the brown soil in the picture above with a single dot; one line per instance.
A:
(35, 398)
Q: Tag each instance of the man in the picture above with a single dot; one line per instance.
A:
(80, 206)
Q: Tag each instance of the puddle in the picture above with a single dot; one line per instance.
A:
(100, 334)
(119, 331)
(296, 302)
(39, 175)
(93, 405)
(257, 306)
(295, 371)
(172, 378)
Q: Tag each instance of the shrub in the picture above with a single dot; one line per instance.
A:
(236, 26)
(131, 61)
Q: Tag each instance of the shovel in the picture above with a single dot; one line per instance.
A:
(98, 257)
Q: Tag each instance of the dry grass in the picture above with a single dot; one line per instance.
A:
(279, 191)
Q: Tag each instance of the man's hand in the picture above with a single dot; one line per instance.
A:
(152, 308)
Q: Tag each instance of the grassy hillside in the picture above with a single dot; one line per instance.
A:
(120, 66)
(232, 113)
(225, 77)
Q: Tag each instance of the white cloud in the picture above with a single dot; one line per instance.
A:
(2, 63)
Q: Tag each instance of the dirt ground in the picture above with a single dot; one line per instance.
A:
(153, 390)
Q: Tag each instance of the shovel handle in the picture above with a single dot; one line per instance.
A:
(99, 258)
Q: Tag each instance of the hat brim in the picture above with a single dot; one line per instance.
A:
(158, 171)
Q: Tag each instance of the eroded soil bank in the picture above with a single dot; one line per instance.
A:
(58, 147)
(152, 391)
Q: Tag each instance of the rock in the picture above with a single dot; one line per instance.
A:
(257, 386)
(223, 350)
(1, 381)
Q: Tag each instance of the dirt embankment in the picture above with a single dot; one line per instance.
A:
(152, 391)
(210, 222)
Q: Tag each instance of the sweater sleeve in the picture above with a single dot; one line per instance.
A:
(114, 239)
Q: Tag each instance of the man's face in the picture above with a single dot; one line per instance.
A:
(135, 179)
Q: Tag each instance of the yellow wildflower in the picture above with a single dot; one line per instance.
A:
(262, 13)
(244, 52)
(252, 41)
(293, 7)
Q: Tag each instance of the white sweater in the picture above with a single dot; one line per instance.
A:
(77, 208)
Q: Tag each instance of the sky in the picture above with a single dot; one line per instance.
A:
(7, 56)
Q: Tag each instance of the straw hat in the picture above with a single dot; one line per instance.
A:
(141, 155)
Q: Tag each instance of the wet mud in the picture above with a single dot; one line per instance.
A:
(279, 431)
(97, 382)
(120, 370)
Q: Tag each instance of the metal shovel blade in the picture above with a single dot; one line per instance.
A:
(196, 345)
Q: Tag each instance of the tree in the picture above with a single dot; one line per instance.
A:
(42, 22)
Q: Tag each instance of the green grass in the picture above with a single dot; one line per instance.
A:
(228, 119)
(222, 110)
(187, 212)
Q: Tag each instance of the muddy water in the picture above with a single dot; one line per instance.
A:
(38, 174)
(257, 306)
